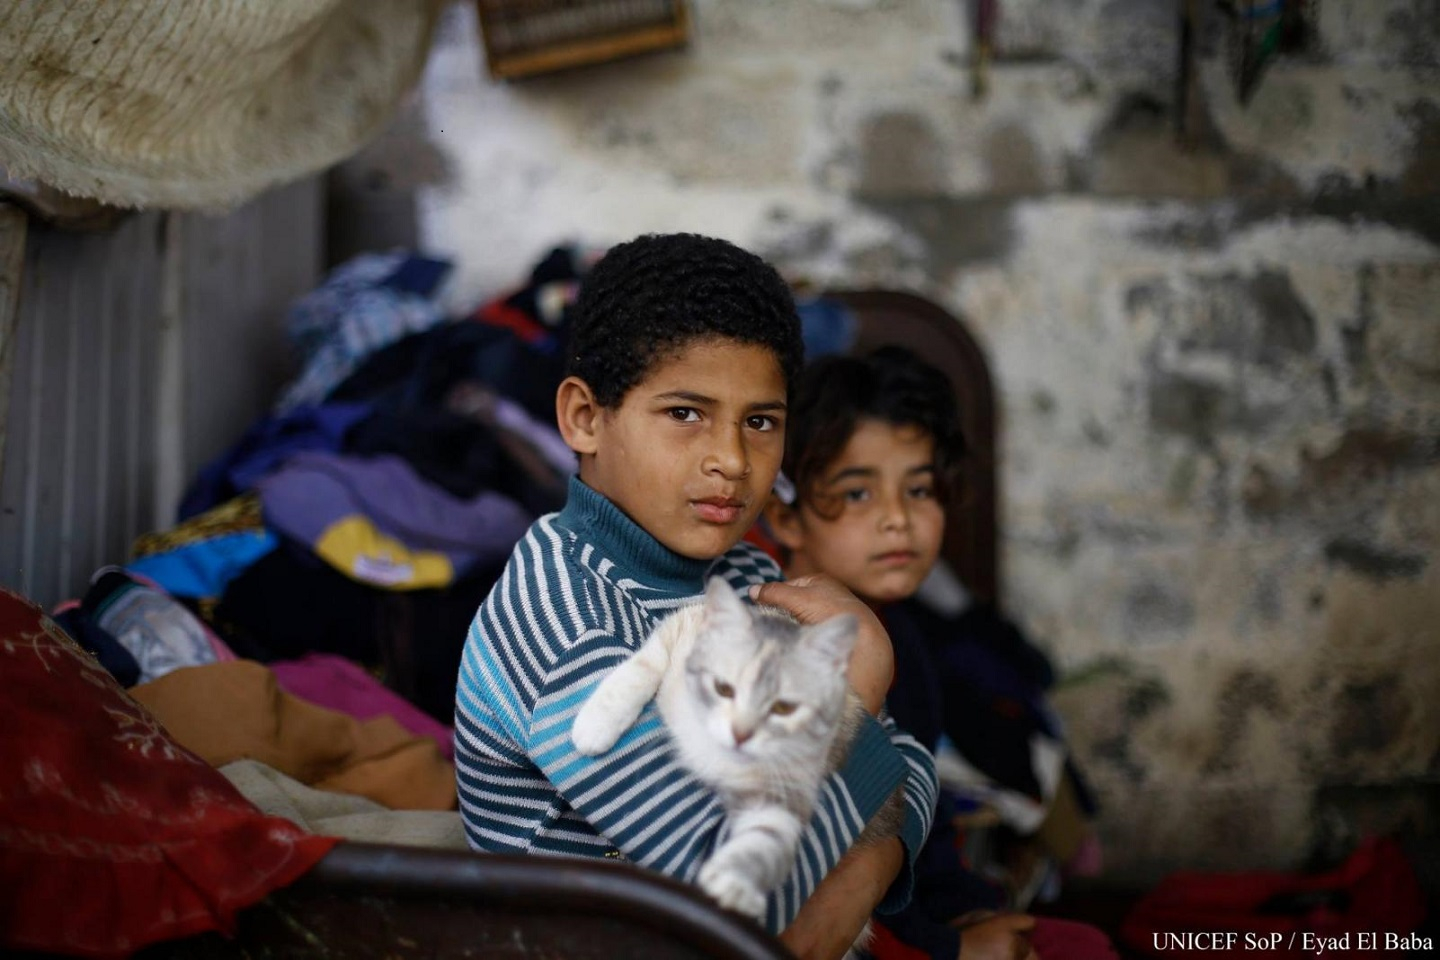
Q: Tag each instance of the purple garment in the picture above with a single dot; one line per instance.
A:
(344, 686)
(314, 490)
(267, 444)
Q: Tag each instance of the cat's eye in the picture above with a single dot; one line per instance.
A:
(724, 689)
(782, 708)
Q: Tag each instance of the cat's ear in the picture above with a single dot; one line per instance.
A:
(723, 606)
(834, 639)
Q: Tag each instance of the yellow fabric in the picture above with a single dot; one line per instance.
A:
(239, 515)
(198, 103)
(353, 546)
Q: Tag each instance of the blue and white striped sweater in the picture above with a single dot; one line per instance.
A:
(581, 592)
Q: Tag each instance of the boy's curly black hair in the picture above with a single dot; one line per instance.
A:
(651, 296)
(891, 385)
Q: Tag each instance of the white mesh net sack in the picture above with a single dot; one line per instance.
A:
(198, 103)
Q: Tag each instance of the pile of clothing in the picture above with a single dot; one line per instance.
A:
(323, 572)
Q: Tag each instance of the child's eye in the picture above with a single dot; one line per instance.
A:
(684, 414)
(857, 495)
(724, 689)
(782, 708)
(922, 492)
(762, 423)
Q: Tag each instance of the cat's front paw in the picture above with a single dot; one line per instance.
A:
(732, 891)
(594, 730)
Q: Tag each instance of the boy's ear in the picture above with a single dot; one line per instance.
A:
(784, 522)
(578, 415)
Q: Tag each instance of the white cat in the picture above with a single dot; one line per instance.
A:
(759, 709)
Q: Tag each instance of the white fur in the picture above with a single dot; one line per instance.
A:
(616, 703)
(769, 782)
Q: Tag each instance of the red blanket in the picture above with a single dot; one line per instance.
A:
(113, 836)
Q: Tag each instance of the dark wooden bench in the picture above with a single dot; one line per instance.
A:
(394, 903)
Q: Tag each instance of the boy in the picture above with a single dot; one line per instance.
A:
(680, 361)
(872, 454)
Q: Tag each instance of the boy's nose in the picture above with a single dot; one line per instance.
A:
(728, 456)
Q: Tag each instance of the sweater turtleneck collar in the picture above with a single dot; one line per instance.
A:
(636, 554)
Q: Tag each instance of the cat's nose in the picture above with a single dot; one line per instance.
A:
(741, 735)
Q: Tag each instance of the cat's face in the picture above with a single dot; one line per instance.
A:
(768, 688)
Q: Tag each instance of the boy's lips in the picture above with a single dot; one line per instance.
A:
(722, 510)
(895, 558)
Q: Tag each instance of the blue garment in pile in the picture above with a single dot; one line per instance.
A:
(364, 304)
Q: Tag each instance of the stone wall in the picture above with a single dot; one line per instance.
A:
(1219, 364)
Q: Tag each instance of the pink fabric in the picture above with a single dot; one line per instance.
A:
(1069, 940)
(341, 684)
(221, 648)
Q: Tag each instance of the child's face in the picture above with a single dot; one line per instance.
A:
(886, 524)
(692, 450)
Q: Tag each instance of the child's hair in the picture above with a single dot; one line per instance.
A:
(649, 297)
(891, 385)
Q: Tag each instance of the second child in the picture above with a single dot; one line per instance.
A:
(872, 456)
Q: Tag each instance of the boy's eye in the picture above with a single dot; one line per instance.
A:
(856, 495)
(724, 689)
(761, 422)
(684, 414)
(924, 492)
(782, 708)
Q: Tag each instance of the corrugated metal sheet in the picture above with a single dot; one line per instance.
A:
(78, 460)
(238, 275)
(86, 421)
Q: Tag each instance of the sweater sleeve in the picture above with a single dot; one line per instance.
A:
(922, 787)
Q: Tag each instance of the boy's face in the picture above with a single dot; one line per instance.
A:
(885, 523)
(692, 450)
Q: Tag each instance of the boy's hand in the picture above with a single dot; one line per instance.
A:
(1004, 937)
(818, 597)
